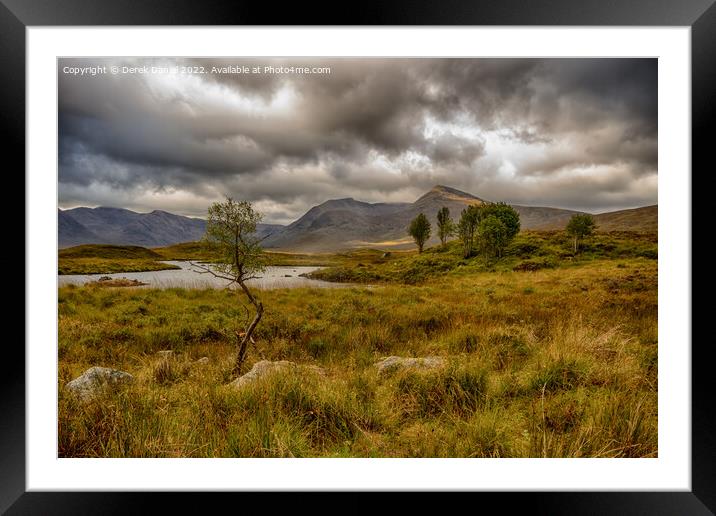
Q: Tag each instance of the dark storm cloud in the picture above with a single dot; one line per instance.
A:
(522, 130)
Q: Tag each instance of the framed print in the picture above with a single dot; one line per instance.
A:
(430, 251)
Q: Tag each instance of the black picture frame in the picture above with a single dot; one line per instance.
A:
(17, 15)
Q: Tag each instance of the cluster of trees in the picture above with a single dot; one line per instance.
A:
(486, 228)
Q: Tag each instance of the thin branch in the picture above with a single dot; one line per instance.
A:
(207, 270)
(246, 309)
(233, 279)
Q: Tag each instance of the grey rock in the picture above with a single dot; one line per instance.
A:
(264, 368)
(203, 360)
(393, 363)
(95, 380)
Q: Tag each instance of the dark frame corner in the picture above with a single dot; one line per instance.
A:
(700, 15)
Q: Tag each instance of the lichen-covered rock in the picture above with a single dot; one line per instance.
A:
(95, 380)
(265, 367)
(393, 363)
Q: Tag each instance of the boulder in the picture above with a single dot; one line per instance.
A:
(264, 368)
(97, 379)
(393, 363)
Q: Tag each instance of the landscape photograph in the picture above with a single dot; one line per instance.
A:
(357, 257)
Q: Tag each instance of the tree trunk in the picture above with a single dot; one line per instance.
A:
(575, 245)
(244, 342)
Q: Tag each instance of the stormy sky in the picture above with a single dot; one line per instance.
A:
(568, 133)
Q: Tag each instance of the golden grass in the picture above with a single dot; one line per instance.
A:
(553, 363)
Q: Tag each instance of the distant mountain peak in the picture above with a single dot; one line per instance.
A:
(443, 188)
(449, 193)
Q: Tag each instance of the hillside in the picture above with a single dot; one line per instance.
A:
(71, 232)
(638, 219)
(542, 219)
(119, 226)
(347, 223)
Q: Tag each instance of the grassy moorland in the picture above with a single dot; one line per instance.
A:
(547, 355)
(530, 251)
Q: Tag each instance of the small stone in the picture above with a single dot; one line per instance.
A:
(95, 380)
(165, 353)
(393, 363)
(203, 360)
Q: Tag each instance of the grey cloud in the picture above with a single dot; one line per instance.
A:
(363, 131)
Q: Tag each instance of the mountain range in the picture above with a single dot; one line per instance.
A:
(125, 227)
(330, 226)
